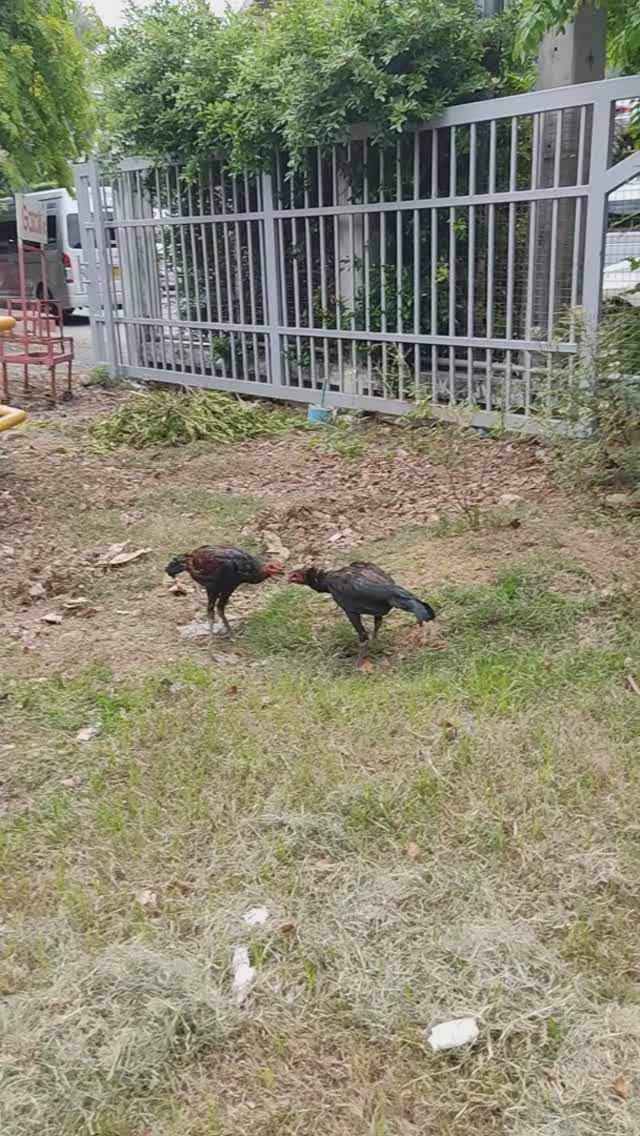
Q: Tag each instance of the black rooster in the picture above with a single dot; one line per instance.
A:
(363, 589)
(220, 569)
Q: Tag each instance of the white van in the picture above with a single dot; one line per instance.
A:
(65, 276)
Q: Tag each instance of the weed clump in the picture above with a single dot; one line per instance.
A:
(168, 418)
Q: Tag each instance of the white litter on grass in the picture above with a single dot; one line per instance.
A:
(243, 973)
(256, 916)
(451, 1035)
(87, 733)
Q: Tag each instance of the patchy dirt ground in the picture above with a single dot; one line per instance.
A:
(68, 510)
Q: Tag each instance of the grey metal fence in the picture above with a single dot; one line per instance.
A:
(447, 267)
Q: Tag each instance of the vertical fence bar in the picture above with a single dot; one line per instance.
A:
(434, 262)
(416, 263)
(180, 269)
(145, 269)
(88, 221)
(577, 226)
(597, 206)
(101, 242)
(205, 261)
(337, 263)
(185, 270)
(196, 276)
(295, 272)
(453, 159)
(284, 296)
(217, 281)
(399, 272)
(551, 308)
(491, 250)
(158, 329)
(284, 299)
(165, 268)
(266, 339)
(271, 289)
(131, 293)
(383, 270)
(554, 228)
(130, 244)
(308, 244)
(511, 253)
(352, 254)
(324, 299)
(239, 279)
(535, 152)
(252, 282)
(127, 271)
(227, 271)
(471, 258)
(367, 260)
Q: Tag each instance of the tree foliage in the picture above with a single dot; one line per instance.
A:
(184, 82)
(623, 27)
(45, 105)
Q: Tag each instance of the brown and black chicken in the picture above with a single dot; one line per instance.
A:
(363, 589)
(220, 569)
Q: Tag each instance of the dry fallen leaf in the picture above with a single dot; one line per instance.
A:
(449, 730)
(632, 685)
(619, 1087)
(366, 666)
(275, 546)
(225, 659)
(178, 589)
(413, 850)
(51, 617)
(111, 551)
(185, 887)
(232, 691)
(127, 557)
(287, 927)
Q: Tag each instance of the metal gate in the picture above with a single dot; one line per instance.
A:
(446, 268)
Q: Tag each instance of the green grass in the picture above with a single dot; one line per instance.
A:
(506, 764)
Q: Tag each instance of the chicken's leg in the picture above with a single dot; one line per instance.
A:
(377, 624)
(222, 603)
(211, 616)
(357, 623)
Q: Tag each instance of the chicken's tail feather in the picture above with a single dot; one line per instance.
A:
(406, 601)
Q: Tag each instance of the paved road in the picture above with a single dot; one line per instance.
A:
(80, 328)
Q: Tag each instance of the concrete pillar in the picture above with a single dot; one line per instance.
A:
(577, 55)
(350, 273)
